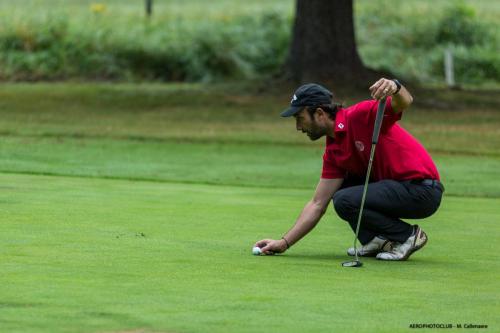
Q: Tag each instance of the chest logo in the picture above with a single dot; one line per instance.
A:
(340, 125)
(359, 145)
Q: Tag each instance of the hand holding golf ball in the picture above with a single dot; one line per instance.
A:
(269, 247)
(256, 251)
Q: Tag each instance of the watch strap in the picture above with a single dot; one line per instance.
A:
(398, 85)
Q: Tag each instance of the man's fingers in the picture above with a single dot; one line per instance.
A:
(376, 90)
(385, 89)
(267, 247)
(267, 251)
(262, 243)
(376, 84)
(382, 90)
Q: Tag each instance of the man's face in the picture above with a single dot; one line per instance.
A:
(308, 124)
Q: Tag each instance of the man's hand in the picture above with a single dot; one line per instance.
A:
(271, 246)
(383, 88)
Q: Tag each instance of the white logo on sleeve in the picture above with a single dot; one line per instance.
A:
(340, 125)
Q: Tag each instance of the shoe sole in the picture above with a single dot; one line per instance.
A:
(373, 254)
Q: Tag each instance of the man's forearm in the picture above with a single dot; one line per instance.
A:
(307, 220)
(402, 100)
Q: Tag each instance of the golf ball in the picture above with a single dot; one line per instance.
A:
(256, 251)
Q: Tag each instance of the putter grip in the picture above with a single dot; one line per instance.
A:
(378, 120)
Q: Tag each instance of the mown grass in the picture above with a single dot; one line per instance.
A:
(254, 165)
(82, 255)
(144, 132)
(223, 113)
(134, 207)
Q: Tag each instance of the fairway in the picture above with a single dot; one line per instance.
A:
(85, 255)
(116, 219)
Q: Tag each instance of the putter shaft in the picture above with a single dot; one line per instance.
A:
(376, 131)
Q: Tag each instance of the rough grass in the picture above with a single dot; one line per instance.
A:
(134, 208)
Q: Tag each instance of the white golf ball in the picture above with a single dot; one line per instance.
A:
(256, 251)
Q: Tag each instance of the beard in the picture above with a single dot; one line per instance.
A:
(315, 133)
(314, 136)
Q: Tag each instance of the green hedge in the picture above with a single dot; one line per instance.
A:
(61, 46)
(57, 48)
(413, 44)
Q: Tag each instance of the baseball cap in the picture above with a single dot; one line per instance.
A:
(310, 94)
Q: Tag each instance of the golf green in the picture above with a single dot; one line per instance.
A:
(97, 255)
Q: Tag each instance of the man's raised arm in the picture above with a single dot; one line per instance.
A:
(401, 98)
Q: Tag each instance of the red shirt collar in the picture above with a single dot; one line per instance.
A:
(339, 125)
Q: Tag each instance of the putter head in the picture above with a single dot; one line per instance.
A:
(355, 263)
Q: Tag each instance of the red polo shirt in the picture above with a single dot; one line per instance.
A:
(398, 156)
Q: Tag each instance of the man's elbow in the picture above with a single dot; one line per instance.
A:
(400, 106)
(410, 100)
(407, 100)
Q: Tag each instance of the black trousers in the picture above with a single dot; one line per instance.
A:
(386, 203)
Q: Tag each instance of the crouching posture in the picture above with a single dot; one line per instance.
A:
(404, 182)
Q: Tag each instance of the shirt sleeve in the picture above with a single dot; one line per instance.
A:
(330, 168)
(390, 115)
(366, 111)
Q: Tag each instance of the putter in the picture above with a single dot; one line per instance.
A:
(376, 132)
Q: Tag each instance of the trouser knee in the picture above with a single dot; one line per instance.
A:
(344, 205)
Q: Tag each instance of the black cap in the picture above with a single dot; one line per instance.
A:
(310, 94)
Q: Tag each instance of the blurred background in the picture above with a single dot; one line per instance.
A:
(203, 41)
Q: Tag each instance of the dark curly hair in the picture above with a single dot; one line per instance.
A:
(330, 109)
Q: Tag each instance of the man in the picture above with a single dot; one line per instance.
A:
(404, 184)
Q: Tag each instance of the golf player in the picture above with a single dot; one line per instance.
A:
(404, 182)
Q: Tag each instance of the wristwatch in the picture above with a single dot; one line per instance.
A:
(398, 85)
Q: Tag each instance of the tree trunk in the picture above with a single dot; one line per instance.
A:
(323, 47)
(149, 8)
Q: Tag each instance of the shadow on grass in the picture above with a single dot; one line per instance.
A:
(330, 257)
(338, 259)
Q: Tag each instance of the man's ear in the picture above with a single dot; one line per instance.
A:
(320, 112)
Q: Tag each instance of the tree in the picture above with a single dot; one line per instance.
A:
(323, 47)
(149, 7)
